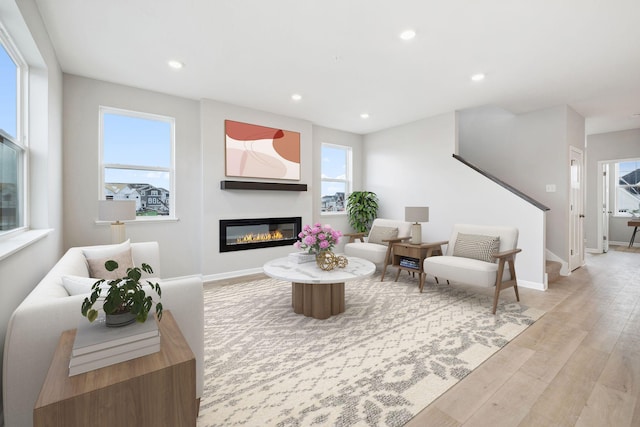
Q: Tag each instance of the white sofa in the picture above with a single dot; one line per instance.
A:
(378, 252)
(35, 326)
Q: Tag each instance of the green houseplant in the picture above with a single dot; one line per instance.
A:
(124, 297)
(362, 209)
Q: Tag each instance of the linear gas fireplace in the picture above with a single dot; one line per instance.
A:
(254, 233)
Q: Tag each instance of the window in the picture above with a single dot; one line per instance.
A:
(137, 160)
(336, 177)
(628, 186)
(13, 150)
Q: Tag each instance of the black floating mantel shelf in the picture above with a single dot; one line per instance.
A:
(254, 185)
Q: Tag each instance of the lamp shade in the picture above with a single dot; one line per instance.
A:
(116, 210)
(416, 214)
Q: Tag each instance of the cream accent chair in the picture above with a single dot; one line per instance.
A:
(454, 267)
(382, 237)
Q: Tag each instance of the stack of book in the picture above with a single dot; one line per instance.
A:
(300, 257)
(410, 263)
(97, 346)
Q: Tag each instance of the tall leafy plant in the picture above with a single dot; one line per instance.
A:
(362, 209)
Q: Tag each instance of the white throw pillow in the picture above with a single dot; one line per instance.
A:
(78, 285)
(379, 233)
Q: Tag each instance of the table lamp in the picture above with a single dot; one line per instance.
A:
(416, 215)
(117, 211)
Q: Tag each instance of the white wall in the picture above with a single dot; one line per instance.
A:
(606, 147)
(20, 272)
(338, 221)
(412, 165)
(233, 204)
(528, 151)
(179, 240)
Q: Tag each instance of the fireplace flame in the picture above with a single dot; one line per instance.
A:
(260, 237)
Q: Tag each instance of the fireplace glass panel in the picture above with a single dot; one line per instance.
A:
(243, 234)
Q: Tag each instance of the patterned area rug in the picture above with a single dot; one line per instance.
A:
(391, 353)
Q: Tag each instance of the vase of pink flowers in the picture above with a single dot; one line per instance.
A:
(317, 238)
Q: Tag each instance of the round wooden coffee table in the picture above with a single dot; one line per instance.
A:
(314, 292)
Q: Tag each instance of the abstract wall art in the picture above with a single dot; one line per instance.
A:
(254, 151)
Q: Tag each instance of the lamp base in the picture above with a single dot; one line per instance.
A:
(118, 232)
(416, 234)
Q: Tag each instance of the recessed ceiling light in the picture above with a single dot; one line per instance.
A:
(175, 64)
(407, 34)
(477, 77)
(296, 97)
(364, 115)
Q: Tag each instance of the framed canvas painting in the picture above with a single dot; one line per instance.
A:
(253, 151)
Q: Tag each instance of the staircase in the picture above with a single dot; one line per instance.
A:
(553, 270)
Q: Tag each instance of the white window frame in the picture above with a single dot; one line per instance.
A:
(20, 141)
(348, 181)
(616, 186)
(171, 169)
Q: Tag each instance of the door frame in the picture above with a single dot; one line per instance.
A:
(576, 209)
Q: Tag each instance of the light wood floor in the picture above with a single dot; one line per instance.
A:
(578, 365)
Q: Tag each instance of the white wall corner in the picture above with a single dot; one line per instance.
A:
(532, 285)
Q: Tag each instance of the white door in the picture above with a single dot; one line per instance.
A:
(576, 215)
(605, 207)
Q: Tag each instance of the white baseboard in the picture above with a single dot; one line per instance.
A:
(635, 244)
(231, 274)
(593, 250)
(531, 285)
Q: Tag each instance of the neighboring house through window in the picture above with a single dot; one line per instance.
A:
(137, 160)
(13, 146)
(628, 186)
(336, 177)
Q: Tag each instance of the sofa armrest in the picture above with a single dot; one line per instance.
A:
(184, 297)
(435, 244)
(354, 236)
(506, 254)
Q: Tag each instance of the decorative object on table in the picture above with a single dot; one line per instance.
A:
(362, 209)
(416, 214)
(95, 346)
(117, 211)
(327, 260)
(317, 238)
(300, 257)
(124, 295)
(253, 151)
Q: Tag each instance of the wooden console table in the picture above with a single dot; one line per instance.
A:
(418, 252)
(635, 224)
(157, 389)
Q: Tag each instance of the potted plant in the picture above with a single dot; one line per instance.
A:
(362, 209)
(126, 300)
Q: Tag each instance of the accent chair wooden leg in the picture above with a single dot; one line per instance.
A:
(512, 271)
(498, 285)
(386, 261)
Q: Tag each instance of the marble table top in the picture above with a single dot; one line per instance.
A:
(309, 272)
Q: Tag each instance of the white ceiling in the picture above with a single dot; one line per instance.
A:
(345, 57)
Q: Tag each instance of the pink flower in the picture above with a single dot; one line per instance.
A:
(310, 240)
(324, 244)
(298, 244)
(322, 236)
